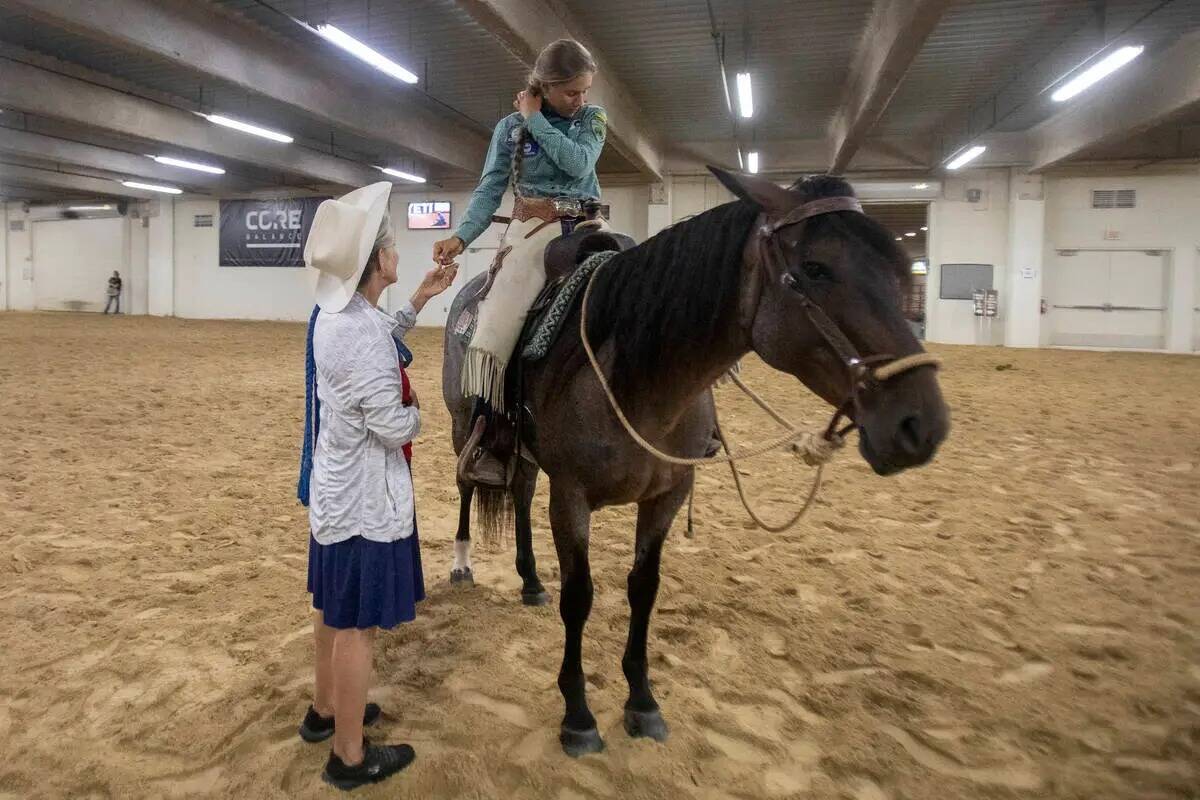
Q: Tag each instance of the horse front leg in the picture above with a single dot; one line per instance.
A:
(524, 484)
(642, 715)
(570, 519)
(460, 572)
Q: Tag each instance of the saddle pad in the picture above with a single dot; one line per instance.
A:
(549, 312)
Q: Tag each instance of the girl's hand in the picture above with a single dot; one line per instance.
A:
(445, 251)
(528, 103)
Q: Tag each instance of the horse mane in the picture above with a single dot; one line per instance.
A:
(676, 289)
(679, 288)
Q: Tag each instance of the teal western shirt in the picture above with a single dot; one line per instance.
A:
(560, 161)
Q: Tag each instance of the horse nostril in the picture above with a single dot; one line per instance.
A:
(909, 436)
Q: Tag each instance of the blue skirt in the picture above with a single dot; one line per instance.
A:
(358, 583)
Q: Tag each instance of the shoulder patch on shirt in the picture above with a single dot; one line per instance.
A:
(599, 124)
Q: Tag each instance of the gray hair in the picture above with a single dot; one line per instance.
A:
(383, 238)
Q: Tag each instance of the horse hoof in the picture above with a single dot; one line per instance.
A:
(463, 576)
(580, 743)
(539, 597)
(648, 724)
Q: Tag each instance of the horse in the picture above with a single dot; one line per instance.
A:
(799, 276)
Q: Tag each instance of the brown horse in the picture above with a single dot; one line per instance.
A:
(799, 276)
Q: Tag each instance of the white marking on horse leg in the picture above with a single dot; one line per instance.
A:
(462, 555)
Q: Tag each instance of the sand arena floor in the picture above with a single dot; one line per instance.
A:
(1020, 619)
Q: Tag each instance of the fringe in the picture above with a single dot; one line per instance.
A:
(483, 376)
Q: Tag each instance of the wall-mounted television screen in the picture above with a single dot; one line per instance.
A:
(429, 215)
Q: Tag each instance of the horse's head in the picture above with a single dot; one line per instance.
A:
(821, 299)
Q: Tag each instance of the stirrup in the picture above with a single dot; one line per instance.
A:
(476, 465)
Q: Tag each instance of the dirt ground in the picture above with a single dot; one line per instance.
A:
(1020, 619)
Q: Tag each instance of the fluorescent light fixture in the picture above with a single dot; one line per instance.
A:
(752, 162)
(404, 176)
(89, 208)
(1097, 72)
(745, 95)
(966, 156)
(899, 238)
(924, 227)
(920, 186)
(361, 51)
(152, 187)
(179, 162)
(246, 127)
(910, 234)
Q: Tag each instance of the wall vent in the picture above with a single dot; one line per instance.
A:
(1114, 198)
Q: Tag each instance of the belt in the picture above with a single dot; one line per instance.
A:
(549, 209)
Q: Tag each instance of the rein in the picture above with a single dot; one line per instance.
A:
(815, 449)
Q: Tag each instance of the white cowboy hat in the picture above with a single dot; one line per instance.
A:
(340, 241)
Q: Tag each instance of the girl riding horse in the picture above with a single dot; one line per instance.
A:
(550, 145)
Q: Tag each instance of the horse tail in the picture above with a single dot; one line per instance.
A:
(494, 513)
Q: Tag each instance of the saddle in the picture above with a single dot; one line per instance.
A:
(566, 253)
(569, 264)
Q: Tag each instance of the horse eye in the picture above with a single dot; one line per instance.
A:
(817, 271)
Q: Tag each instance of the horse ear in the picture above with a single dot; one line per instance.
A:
(771, 197)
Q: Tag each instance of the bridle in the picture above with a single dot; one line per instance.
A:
(865, 372)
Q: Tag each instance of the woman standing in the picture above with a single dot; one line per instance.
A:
(550, 146)
(364, 567)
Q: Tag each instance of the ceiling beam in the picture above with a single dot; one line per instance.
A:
(129, 165)
(72, 182)
(805, 155)
(311, 78)
(524, 27)
(50, 94)
(1144, 94)
(894, 35)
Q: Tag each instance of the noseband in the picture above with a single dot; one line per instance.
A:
(865, 372)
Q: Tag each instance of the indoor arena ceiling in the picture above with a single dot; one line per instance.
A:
(873, 87)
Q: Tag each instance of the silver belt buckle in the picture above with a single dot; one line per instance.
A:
(566, 207)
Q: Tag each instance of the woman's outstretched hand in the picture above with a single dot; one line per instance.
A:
(436, 281)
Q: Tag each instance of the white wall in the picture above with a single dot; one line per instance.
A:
(19, 263)
(961, 232)
(1168, 208)
(73, 260)
(693, 195)
(137, 281)
(205, 290)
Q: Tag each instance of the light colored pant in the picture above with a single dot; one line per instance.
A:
(501, 315)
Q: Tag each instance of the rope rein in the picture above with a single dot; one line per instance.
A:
(815, 449)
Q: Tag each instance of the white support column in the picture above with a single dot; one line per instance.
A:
(160, 258)
(658, 213)
(3, 257)
(1026, 245)
(1181, 315)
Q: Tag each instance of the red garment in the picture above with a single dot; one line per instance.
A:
(406, 396)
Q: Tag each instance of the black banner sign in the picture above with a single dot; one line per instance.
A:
(266, 233)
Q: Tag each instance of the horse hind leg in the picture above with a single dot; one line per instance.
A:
(533, 593)
(570, 519)
(642, 715)
(460, 572)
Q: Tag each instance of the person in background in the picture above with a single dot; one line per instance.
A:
(364, 558)
(114, 292)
